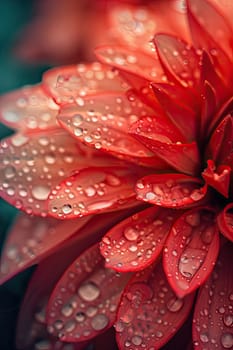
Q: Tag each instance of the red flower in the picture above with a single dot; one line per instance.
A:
(143, 138)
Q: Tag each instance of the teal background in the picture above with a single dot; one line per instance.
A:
(13, 74)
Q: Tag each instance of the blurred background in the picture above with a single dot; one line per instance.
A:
(13, 74)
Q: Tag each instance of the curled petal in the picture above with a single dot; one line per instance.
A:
(31, 239)
(171, 190)
(28, 109)
(220, 145)
(225, 222)
(211, 31)
(162, 138)
(89, 295)
(133, 61)
(179, 59)
(137, 241)
(150, 313)
(218, 177)
(184, 118)
(213, 315)
(31, 166)
(191, 250)
(70, 84)
(91, 190)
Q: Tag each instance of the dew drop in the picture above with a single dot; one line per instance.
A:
(78, 132)
(175, 304)
(80, 316)
(136, 340)
(40, 192)
(67, 209)
(89, 291)
(190, 261)
(227, 340)
(204, 337)
(67, 310)
(77, 120)
(10, 172)
(228, 320)
(99, 322)
(131, 234)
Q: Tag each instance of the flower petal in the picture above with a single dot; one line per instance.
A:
(32, 239)
(171, 190)
(91, 190)
(191, 250)
(28, 109)
(89, 295)
(31, 166)
(220, 145)
(210, 31)
(162, 138)
(134, 61)
(32, 311)
(225, 221)
(218, 177)
(137, 241)
(150, 313)
(208, 108)
(103, 122)
(179, 60)
(184, 118)
(213, 316)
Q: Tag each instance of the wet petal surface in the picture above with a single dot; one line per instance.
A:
(88, 295)
(137, 241)
(191, 250)
(149, 313)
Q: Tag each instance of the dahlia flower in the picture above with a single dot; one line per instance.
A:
(135, 151)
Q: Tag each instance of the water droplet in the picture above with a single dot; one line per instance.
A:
(40, 192)
(10, 172)
(80, 316)
(67, 310)
(89, 291)
(204, 337)
(136, 340)
(175, 304)
(77, 120)
(67, 208)
(227, 340)
(70, 326)
(99, 322)
(228, 320)
(131, 234)
(190, 261)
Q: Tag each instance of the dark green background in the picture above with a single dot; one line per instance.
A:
(13, 74)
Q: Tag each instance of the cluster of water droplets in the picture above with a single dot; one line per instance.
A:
(28, 109)
(31, 166)
(92, 190)
(169, 193)
(86, 299)
(147, 312)
(138, 241)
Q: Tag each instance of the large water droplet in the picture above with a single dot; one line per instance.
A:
(131, 234)
(10, 172)
(99, 322)
(40, 192)
(89, 291)
(175, 304)
(227, 340)
(228, 320)
(190, 261)
(67, 208)
(136, 340)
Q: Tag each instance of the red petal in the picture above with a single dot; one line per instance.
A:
(208, 109)
(218, 177)
(171, 190)
(103, 122)
(134, 61)
(91, 190)
(162, 138)
(211, 31)
(88, 296)
(49, 271)
(136, 25)
(225, 222)
(137, 241)
(213, 316)
(221, 143)
(191, 250)
(31, 166)
(181, 116)
(70, 84)
(32, 239)
(28, 109)
(179, 59)
(150, 313)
